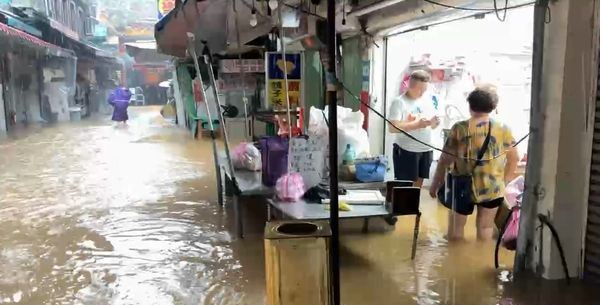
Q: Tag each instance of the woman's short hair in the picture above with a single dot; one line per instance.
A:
(483, 99)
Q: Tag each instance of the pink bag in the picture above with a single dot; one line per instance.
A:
(510, 235)
(513, 193)
(290, 187)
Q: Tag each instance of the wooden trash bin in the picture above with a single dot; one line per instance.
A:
(297, 262)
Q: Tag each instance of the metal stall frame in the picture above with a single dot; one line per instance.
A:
(192, 51)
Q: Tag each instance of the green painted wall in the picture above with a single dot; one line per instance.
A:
(314, 89)
(352, 70)
(185, 86)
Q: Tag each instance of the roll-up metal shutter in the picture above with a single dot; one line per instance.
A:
(591, 260)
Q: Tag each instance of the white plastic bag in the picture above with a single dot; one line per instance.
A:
(350, 129)
(317, 122)
(351, 132)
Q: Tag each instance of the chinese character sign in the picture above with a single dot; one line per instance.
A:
(165, 6)
(276, 87)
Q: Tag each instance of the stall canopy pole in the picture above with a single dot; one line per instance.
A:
(226, 140)
(192, 52)
(333, 142)
(242, 77)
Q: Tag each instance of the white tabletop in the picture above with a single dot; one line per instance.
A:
(314, 211)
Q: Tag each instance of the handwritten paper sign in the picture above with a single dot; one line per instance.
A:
(309, 157)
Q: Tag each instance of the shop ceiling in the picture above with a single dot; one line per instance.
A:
(383, 17)
(214, 22)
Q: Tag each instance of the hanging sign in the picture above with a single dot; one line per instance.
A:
(249, 66)
(276, 68)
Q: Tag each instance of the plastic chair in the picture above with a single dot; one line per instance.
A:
(137, 96)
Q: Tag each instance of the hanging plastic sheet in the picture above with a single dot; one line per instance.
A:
(59, 87)
(185, 85)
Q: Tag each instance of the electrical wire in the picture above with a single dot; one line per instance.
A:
(545, 220)
(548, 15)
(424, 143)
(502, 19)
(476, 9)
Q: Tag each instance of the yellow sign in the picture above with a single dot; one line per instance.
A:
(277, 69)
(277, 93)
(165, 6)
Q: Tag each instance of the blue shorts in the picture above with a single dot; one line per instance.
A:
(410, 165)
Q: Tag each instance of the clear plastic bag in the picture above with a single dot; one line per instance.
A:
(246, 156)
(514, 191)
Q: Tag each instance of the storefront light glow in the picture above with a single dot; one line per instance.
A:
(253, 18)
(273, 4)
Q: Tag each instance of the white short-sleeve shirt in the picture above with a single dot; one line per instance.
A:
(422, 107)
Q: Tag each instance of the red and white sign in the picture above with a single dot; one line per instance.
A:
(249, 65)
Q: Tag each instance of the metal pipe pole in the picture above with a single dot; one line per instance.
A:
(192, 52)
(226, 140)
(226, 144)
(242, 75)
(333, 142)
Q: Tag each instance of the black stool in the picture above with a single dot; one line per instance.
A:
(404, 200)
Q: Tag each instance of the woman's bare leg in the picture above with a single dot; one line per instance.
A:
(456, 226)
(485, 223)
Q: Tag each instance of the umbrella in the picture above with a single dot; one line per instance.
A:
(212, 22)
(165, 84)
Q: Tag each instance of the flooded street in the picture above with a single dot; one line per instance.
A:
(93, 214)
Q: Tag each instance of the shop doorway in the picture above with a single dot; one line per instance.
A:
(4, 102)
(459, 55)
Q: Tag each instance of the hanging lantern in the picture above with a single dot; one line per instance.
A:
(273, 4)
(253, 17)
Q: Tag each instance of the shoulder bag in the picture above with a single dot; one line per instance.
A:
(458, 195)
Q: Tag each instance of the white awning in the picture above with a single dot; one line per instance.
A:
(143, 44)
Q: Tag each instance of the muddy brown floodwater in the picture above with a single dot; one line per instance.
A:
(92, 214)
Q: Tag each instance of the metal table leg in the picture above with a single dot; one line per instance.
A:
(365, 225)
(268, 211)
(238, 212)
(415, 234)
(219, 185)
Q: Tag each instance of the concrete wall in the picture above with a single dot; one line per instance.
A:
(559, 157)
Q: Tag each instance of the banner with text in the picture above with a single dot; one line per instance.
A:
(276, 68)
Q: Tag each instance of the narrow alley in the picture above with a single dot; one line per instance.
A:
(93, 214)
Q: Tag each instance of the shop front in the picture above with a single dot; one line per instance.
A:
(24, 86)
(458, 49)
(537, 100)
(460, 55)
